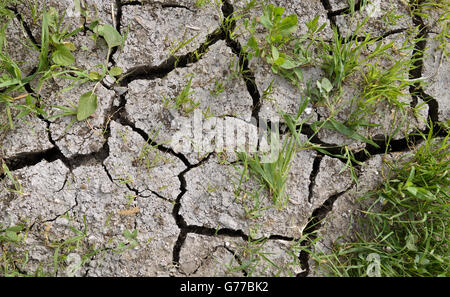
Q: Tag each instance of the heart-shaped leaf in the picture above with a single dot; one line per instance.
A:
(110, 34)
(94, 76)
(115, 71)
(326, 85)
(87, 105)
(63, 56)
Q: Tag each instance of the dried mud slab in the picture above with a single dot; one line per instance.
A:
(214, 87)
(110, 209)
(157, 234)
(281, 96)
(205, 256)
(38, 194)
(27, 136)
(157, 31)
(436, 68)
(140, 165)
(380, 17)
(338, 4)
(210, 200)
(83, 137)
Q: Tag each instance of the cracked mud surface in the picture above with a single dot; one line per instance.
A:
(118, 172)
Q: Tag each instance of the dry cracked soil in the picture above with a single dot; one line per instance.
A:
(145, 207)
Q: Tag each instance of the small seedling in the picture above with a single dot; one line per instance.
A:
(183, 100)
(218, 88)
(17, 186)
(280, 48)
(130, 243)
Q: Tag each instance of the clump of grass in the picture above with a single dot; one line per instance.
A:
(272, 174)
(183, 100)
(409, 235)
(383, 85)
(345, 55)
(280, 48)
(10, 260)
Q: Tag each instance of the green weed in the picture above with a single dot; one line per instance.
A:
(408, 236)
(272, 175)
(280, 49)
(11, 261)
(183, 100)
(55, 60)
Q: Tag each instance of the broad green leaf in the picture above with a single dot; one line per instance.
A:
(12, 236)
(63, 56)
(86, 105)
(70, 46)
(412, 190)
(274, 69)
(94, 76)
(266, 22)
(252, 43)
(115, 71)
(298, 72)
(275, 53)
(289, 64)
(17, 228)
(110, 34)
(288, 25)
(335, 125)
(280, 61)
(326, 85)
(277, 10)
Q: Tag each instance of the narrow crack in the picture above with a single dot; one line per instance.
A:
(314, 224)
(24, 24)
(181, 223)
(149, 72)
(145, 2)
(132, 189)
(59, 215)
(126, 122)
(247, 75)
(342, 11)
(332, 18)
(279, 237)
(313, 175)
(236, 48)
(373, 39)
(237, 258)
(417, 58)
(118, 24)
